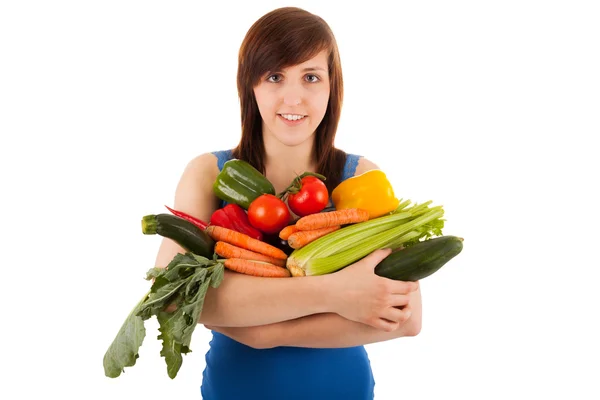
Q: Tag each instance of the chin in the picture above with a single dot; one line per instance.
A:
(293, 140)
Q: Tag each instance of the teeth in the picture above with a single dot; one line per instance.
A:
(292, 117)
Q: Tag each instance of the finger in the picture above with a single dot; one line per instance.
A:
(397, 315)
(387, 326)
(393, 314)
(399, 300)
(376, 257)
(403, 287)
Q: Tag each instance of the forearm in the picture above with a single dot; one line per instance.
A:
(333, 331)
(243, 300)
(325, 330)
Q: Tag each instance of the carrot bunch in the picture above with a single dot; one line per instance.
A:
(251, 256)
(247, 255)
(311, 227)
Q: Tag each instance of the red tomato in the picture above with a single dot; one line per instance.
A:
(312, 197)
(268, 214)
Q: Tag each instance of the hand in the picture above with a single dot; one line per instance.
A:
(361, 295)
(257, 337)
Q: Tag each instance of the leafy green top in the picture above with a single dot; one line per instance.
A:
(184, 282)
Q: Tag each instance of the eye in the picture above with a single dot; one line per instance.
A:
(312, 78)
(274, 78)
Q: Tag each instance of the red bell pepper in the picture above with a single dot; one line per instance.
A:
(234, 217)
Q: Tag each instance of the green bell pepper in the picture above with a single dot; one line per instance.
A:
(240, 183)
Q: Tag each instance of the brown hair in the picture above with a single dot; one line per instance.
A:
(285, 37)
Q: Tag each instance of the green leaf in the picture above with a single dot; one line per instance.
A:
(217, 275)
(201, 260)
(124, 350)
(155, 272)
(171, 326)
(177, 329)
(184, 269)
(191, 289)
(193, 311)
(176, 268)
(158, 283)
(161, 298)
(184, 282)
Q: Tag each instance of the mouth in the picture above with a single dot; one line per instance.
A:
(292, 119)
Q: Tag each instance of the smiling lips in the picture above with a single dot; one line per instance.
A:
(292, 119)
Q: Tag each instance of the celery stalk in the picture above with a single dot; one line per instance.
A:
(395, 236)
(346, 237)
(401, 206)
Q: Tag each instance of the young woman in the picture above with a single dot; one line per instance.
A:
(299, 338)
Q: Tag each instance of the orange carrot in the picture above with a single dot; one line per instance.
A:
(256, 268)
(218, 233)
(231, 251)
(332, 218)
(285, 233)
(302, 238)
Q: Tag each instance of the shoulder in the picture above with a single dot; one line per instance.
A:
(205, 163)
(355, 165)
(199, 173)
(194, 194)
(364, 165)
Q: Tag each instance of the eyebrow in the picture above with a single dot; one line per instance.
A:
(313, 69)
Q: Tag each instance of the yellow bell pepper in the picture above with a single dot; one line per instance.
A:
(370, 191)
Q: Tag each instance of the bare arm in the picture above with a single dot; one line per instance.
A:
(326, 330)
(355, 293)
(334, 331)
(244, 300)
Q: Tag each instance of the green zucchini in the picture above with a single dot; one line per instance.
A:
(420, 260)
(240, 183)
(186, 234)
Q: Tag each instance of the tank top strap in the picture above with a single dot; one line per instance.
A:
(350, 166)
(222, 157)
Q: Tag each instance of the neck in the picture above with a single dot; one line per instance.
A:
(284, 163)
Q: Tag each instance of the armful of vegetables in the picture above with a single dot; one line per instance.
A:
(367, 217)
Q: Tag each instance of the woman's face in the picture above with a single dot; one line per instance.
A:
(293, 102)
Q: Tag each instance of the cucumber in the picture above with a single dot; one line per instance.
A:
(186, 234)
(420, 260)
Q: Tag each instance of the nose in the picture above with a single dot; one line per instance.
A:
(292, 95)
(289, 102)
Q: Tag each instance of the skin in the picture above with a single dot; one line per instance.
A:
(304, 90)
(307, 311)
(330, 330)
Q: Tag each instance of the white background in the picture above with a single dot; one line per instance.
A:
(491, 108)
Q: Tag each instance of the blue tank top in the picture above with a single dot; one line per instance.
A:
(235, 371)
